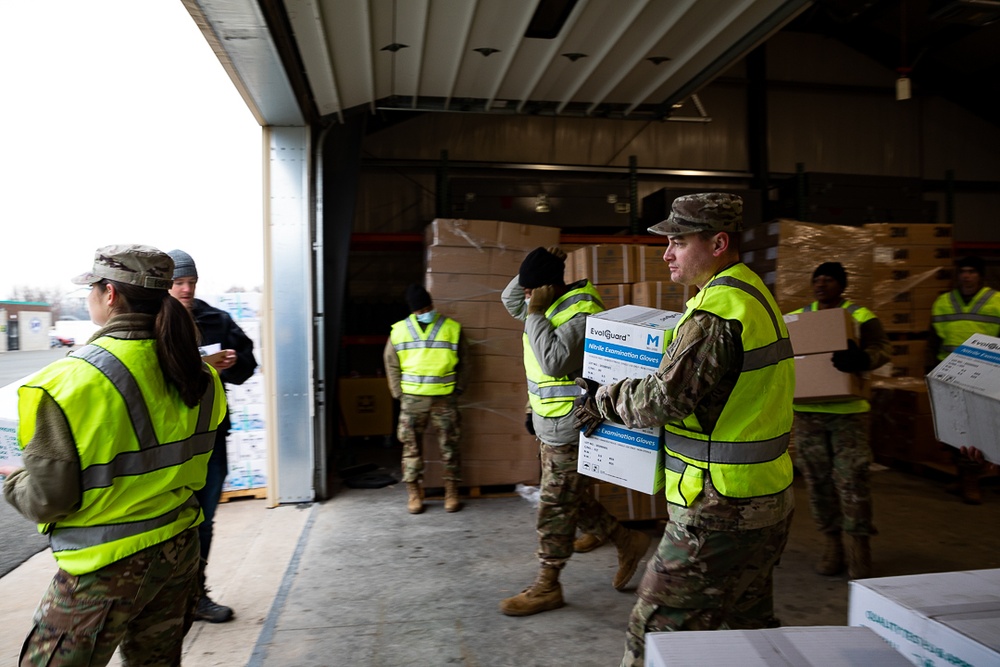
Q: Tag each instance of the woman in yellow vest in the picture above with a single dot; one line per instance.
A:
(724, 393)
(831, 439)
(116, 438)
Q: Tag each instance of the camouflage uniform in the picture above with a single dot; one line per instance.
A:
(832, 449)
(414, 415)
(415, 412)
(565, 502)
(832, 452)
(713, 568)
(144, 602)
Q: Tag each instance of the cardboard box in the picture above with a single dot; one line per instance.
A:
(625, 342)
(502, 342)
(10, 452)
(365, 406)
(894, 234)
(819, 646)
(913, 255)
(649, 264)
(605, 263)
(615, 295)
(470, 314)
(816, 331)
(515, 236)
(944, 618)
(965, 396)
(461, 233)
(661, 294)
(817, 381)
(445, 287)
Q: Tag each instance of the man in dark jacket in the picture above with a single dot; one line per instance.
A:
(235, 362)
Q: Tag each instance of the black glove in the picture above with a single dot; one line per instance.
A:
(588, 417)
(529, 426)
(851, 360)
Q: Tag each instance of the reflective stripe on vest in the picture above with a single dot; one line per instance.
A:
(136, 492)
(551, 396)
(746, 454)
(860, 314)
(954, 322)
(151, 455)
(428, 359)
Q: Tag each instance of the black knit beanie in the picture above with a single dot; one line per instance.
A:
(977, 264)
(541, 267)
(834, 270)
(417, 297)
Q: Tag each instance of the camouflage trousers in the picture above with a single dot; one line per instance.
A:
(415, 412)
(706, 580)
(565, 503)
(145, 603)
(832, 452)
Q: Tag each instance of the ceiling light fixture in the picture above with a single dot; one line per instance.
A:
(486, 51)
(542, 203)
(656, 60)
(573, 57)
(395, 46)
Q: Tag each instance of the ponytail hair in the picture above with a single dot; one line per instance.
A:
(176, 338)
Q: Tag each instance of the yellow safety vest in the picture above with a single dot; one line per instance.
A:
(954, 321)
(746, 454)
(142, 451)
(427, 358)
(860, 315)
(553, 396)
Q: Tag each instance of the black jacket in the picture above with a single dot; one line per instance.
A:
(216, 326)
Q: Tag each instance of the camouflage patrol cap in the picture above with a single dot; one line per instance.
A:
(141, 265)
(702, 212)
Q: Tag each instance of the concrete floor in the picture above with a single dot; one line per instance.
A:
(356, 580)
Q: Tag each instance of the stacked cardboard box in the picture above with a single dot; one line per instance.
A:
(627, 274)
(784, 253)
(468, 263)
(902, 428)
(912, 266)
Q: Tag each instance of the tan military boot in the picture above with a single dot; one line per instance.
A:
(587, 542)
(415, 501)
(832, 561)
(632, 545)
(859, 557)
(451, 502)
(544, 594)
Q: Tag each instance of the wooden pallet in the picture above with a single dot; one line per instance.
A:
(259, 492)
(494, 491)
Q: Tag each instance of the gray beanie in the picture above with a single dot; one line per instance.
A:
(183, 265)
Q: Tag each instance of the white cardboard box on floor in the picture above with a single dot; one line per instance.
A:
(965, 396)
(817, 646)
(625, 342)
(944, 618)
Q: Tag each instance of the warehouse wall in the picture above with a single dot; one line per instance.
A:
(829, 109)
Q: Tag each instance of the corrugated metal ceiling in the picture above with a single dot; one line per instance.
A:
(609, 58)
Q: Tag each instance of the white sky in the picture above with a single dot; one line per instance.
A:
(121, 126)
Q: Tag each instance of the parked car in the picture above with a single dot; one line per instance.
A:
(56, 340)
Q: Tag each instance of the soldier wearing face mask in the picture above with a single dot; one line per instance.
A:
(423, 364)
